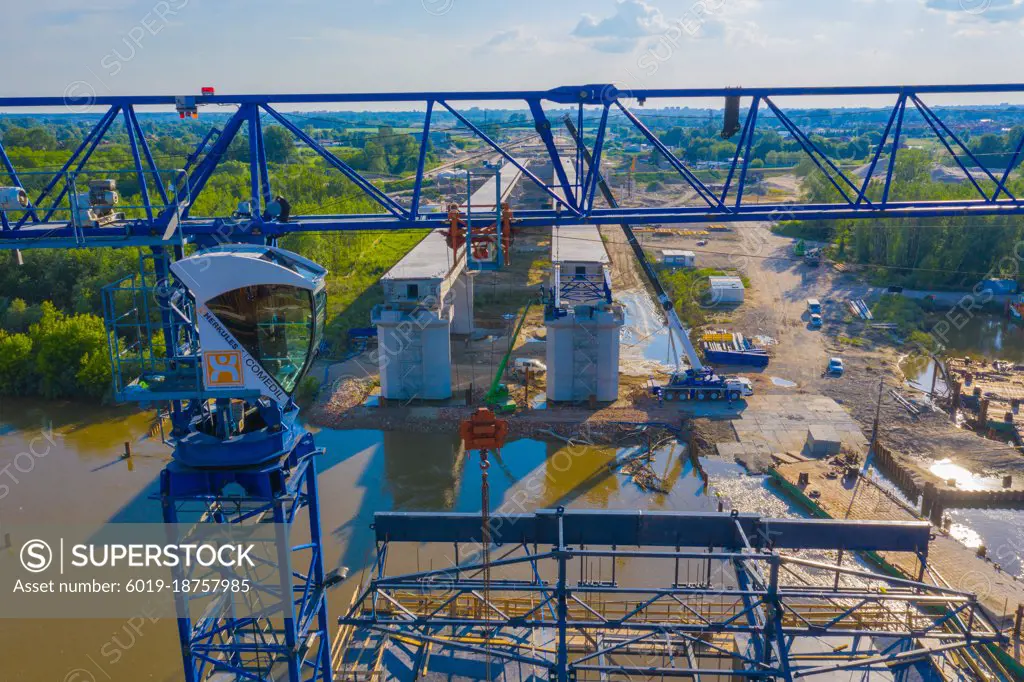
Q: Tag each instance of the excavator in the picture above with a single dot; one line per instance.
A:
(497, 396)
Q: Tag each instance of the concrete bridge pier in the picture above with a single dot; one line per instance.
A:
(583, 324)
(462, 303)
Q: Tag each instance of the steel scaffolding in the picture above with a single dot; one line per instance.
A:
(287, 639)
(590, 595)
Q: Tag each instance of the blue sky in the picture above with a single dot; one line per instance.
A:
(176, 46)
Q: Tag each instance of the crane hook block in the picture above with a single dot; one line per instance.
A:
(731, 122)
(483, 431)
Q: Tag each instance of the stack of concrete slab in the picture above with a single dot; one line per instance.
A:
(823, 440)
(781, 421)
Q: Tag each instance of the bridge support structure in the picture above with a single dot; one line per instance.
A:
(587, 594)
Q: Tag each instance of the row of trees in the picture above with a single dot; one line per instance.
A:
(59, 356)
(923, 252)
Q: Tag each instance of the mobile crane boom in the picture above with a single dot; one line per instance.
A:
(664, 300)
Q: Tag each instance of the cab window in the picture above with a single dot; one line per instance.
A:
(276, 324)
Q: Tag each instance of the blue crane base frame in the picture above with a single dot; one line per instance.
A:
(288, 644)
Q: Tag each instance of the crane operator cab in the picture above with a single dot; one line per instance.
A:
(259, 317)
(259, 314)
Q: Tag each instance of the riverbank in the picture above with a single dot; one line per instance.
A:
(826, 496)
(353, 405)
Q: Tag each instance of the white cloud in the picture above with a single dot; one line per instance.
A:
(636, 23)
(994, 11)
(511, 40)
(632, 21)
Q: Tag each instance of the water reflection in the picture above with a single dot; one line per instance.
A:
(422, 473)
(645, 338)
(964, 479)
(995, 338)
(999, 530)
(922, 374)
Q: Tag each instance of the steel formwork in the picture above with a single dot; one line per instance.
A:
(687, 594)
(167, 196)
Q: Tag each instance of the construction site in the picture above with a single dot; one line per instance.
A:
(616, 439)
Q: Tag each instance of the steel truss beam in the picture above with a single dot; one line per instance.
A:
(164, 212)
(608, 627)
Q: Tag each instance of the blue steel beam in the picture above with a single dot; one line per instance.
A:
(144, 145)
(902, 106)
(853, 203)
(936, 123)
(702, 190)
(739, 149)
(814, 152)
(421, 161)
(655, 529)
(140, 174)
(878, 151)
(88, 144)
(594, 172)
(571, 94)
(511, 159)
(543, 126)
(16, 181)
(384, 200)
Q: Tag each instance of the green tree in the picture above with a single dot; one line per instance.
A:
(37, 138)
(673, 137)
(16, 369)
(68, 354)
(19, 316)
(278, 144)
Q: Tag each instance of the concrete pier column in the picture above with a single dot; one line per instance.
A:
(413, 354)
(583, 353)
(462, 302)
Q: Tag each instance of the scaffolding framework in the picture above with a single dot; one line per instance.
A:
(710, 594)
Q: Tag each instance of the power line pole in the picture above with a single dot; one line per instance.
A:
(878, 414)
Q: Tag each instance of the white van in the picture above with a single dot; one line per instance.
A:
(534, 364)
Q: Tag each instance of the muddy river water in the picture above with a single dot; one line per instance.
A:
(65, 467)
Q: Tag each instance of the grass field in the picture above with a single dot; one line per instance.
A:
(355, 262)
(352, 292)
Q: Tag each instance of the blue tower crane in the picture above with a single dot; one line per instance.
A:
(240, 326)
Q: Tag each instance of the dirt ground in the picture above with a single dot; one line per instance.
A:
(776, 306)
